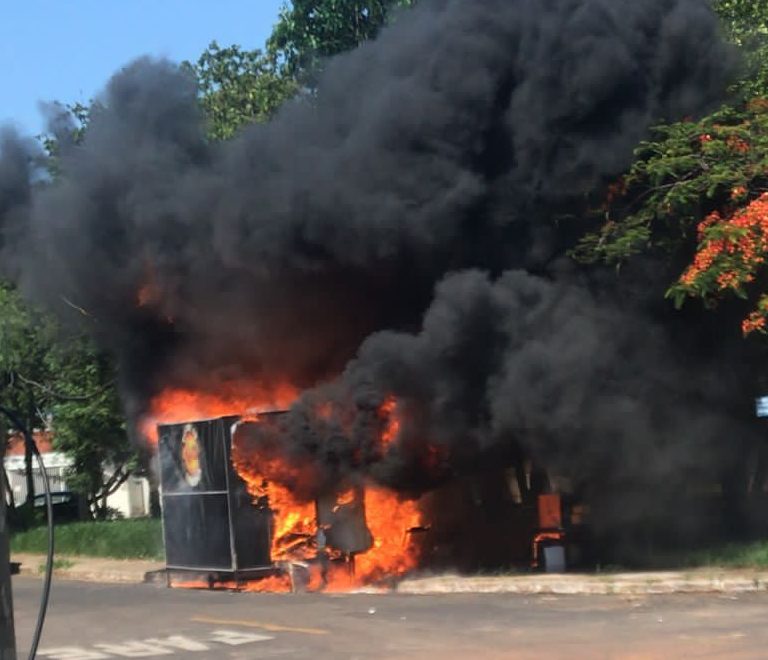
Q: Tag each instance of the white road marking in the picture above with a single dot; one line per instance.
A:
(236, 637)
(134, 649)
(152, 647)
(71, 653)
(179, 642)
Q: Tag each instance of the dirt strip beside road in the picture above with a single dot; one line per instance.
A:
(89, 569)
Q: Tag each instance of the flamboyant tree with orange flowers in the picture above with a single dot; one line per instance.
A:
(700, 188)
(732, 252)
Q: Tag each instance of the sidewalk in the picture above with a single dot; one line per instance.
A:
(704, 580)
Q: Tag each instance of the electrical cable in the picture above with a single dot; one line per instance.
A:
(49, 560)
(49, 514)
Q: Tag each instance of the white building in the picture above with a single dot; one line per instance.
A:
(131, 500)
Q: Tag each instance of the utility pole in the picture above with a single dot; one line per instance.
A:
(7, 636)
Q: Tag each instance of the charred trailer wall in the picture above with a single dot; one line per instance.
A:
(209, 521)
(344, 524)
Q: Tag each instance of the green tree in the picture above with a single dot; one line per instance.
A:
(60, 381)
(689, 170)
(238, 87)
(88, 422)
(696, 188)
(310, 30)
(69, 124)
(746, 24)
(23, 349)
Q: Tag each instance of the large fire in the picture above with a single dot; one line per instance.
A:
(389, 519)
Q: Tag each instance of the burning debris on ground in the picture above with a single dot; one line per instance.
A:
(384, 262)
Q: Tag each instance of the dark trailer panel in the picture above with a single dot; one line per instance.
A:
(210, 525)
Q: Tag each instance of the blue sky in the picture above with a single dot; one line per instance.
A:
(66, 50)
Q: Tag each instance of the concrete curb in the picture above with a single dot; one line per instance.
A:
(710, 580)
(666, 582)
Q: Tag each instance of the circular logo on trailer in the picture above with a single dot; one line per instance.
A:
(190, 455)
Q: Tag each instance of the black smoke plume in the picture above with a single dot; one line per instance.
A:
(397, 229)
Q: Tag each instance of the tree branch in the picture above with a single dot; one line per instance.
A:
(115, 486)
(76, 307)
(65, 397)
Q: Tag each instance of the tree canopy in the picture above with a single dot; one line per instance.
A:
(697, 188)
(238, 87)
(88, 421)
(52, 379)
(746, 23)
(310, 30)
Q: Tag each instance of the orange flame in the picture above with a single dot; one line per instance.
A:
(294, 522)
(388, 518)
(342, 499)
(388, 412)
(390, 521)
(146, 295)
(173, 406)
(149, 291)
(272, 584)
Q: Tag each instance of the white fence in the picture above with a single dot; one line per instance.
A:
(57, 477)
(131, 499)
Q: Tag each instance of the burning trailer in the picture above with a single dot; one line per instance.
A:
(238, 513)
(230, 519)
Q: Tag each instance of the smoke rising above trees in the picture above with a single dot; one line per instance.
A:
(396, 227)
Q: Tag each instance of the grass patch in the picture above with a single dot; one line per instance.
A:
(118, 539)
(736, 555)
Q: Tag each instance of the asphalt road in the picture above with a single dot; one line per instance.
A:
(94, 622)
